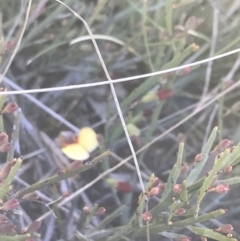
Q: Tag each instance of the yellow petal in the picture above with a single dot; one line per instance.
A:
(75, 152)
(87, 138)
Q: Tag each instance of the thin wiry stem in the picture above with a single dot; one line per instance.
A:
(113, 93)
(144, 29)
(107, 172)
(233, 70)
(38, 103)
(19, 40)
(136, 77)
(212, 50)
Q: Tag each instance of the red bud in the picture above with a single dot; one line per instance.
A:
(7, 228)
(154, 191)
(227, 169)
(124, 187)
(5, 147)
(11, 204)
(164, 94)
(222, 188)
(3, 219)
(33, 227)
(147, 113)
(147, 216)
(162, 186)
(184, 168)
(3, 138)
(101, 211)
(5, 170)
(10, 108)
(177, 188)
(155, 182)
(187, 70)
(198, 158)
(33, 196)
(180, 211)
(227, 228)
(223, 145)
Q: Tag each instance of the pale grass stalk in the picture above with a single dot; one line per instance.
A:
(136, 77)
(212, 50)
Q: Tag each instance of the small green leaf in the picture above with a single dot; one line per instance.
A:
(209, 233)
(172, 235)
(205, 153)
(6, 186)
(90, 216)
(211, 176)
(184, 192)
(169, 12)
(133, 130)
(110, 217)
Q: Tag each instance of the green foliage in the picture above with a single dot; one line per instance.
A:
(175, 210)
(136, 37)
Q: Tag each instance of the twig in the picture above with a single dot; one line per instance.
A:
(136, 77)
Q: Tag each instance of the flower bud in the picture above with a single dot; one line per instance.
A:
(147, 113)
(164, 94)
(162, 186)
(10, 108)
(180, 211)
(147, 216)
(101, 211)
(203, 238)
(192, 23)
(154, 191)
(187, 70)
(5, 147)
(227, 169)
(33, 227)
(33, 196)
(5, 170)
(155, 182)
(177, 188)
(3, 138)
(11, 204)
(124, 187)
(222, 188)
(86, 209)
(198, 158)
(184, 168)
(194, 47)
(74, 166)
(7, 228)
(227, 228)
(225, 143)
(3, 219)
